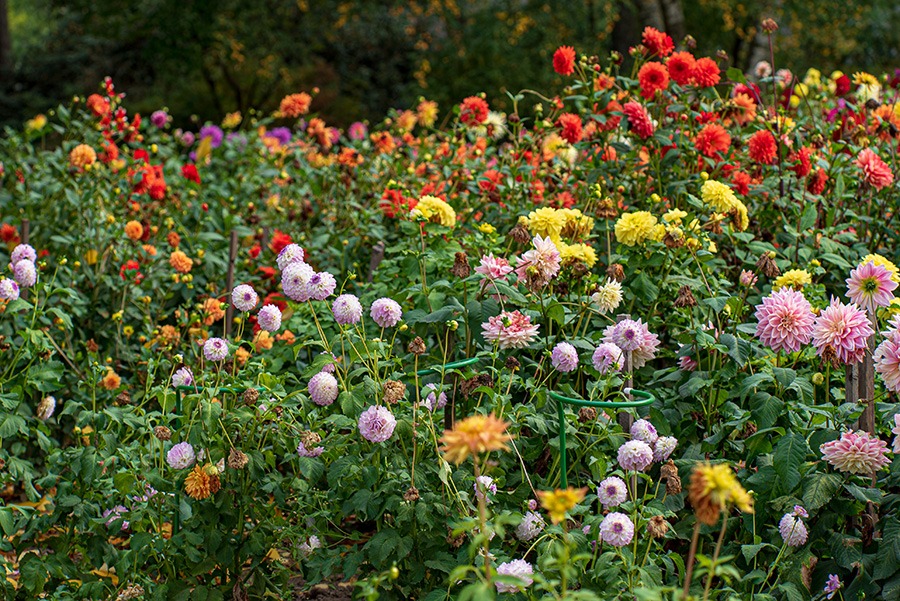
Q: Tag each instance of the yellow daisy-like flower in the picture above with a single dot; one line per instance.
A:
(232, 120)
(674, 216)
(546, 223)
(558, 502)
(636, 228)
(577, 252)
(739, 216)
(714, 488)
(427, 112)
(718, 196)
(862, 78)
(883, 262)
(474, 435)
(434, 209)
(795, 278)
(36, 124)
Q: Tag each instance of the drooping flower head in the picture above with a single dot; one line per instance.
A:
(510, 329)
(215, 349)
(183, 376)
(612, 492)
(269, 318)
(856, 453)
(474, 435)
(323, 388)
(842, 332)
(608, 358)
(793, 530)
(517, 568)
(870, 286)
(346, 309)
(539, 265)
(564, 357)
(832, 586)
(244, 298)
(714, 488)
(291, 253)
(617, 529)
(635, 455)
(876, 172)
(386, 312)
(377, 423)
(785, 320)
(644, 431)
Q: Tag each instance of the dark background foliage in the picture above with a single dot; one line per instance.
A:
(204, 59)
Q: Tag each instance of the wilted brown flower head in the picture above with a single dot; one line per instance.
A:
(519, 234)
(393, 391)
(469, 386)
(162, 433)
(769, 25)
(250, 396)
(417, 346)
(657, 526)
(512, 363)
(461, 268)
(766, 265)
(616, 272)
(237, 459)
(411, 495)
(685, 298)
(587, 415)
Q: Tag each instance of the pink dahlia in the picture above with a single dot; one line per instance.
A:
(538, 266)
(876, 173)
(511, 329)
(842, 332)
(871, 286)
(493, 268)
(887, 361)
(564, 357)
(633, 335)
(638, 119)
(856, 453)
(896, 433)
(785, 320)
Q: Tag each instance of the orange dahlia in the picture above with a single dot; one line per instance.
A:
(474, 435)
(295, 105)
(82, 156)
(180, 262)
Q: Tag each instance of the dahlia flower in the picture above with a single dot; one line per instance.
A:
(215, 349)
(182, 377)
(484, 484)
(793, 530)
(376, 424)
(538, 266)
(181, 456)
(530, 526)
(876, 172)
(114, 514)
(664, 447)
(843, 330)
(346, 309)
(432, 208)
(612, 492)
(617, 529)
(23, 251)
(291, 253)
(896, 433)
(9, 289)
(638, 227)
(644, 431)
(608, 296)
(294, 277)
(323, 388)
(564, 357)
(25, 273)
(386, 312)
(635, 455)
(633, 335)
(510, 330)
(309, 545)
(832, 586)
(269, 318)
(887, 361)
(639, 120)
(320, 286)
(244, 298)
(432, 402)
(518, 568)
(493, 268)
(607, 358)
(856, 453)
(870, 286)
(785, 320)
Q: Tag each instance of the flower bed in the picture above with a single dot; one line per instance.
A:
(272, 353)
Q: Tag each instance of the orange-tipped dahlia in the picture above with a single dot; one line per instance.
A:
(712, 489)
(474, 435)
(198, 484)
(558, 502)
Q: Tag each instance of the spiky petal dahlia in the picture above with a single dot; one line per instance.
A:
(841, 332)
(474, 435)
(785, 320)
(539, 265)
(638, 119)
(887, 361)
(856, 453)
(876, 173)
(871, 286)
(511, 329)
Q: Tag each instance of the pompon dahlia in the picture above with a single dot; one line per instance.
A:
(612, 492)
(183, 377)
(785, 320)
(718, 196)
(510, 330)
(9, 289)
(887, 361)
(323, 388)
(292, 253)
(762, 147)
(564, 357)
(346, 309)
(386, 312)
(377, 423)
(644, 431)
(635, 455)
(793, 530)
(617, 529)
(706, 73)
(842, 331)
(294, 277)
(269, 318)
(244, 298)
(23, 252)
(320, 286)
(607, 358)
(652, 78)
(870, 286)
(633, 335)
(215, 349)
(712, 140)
(664, 447)
(876, 172)
(638, 119)
(856, 453)
(517, 568)
(638, 227)
(25, 273)
(681, 67)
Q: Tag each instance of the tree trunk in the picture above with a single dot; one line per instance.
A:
(5, 38)
(674, 16)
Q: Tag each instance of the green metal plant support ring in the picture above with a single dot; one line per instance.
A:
(441, 368)
(176, 522)
(642, 398)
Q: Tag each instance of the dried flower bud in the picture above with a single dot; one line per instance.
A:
(469, 386)
(616, 272)
(512, 363)
(685, 298)
(606, 209)
(417, 346)
(162, 433)
(393, 391)
(461, 268)
(123, 398)
(689, 42)
(657, 527)
(722, 55)
(769, 25)
(237, 460)
(133, 591)
(92, 346)
(519, 234)
(872, 104)
(587, 415)
(250, 396)
(766, 265)
(455, 540)
(748, 430)
(411, 495)
(310, 439)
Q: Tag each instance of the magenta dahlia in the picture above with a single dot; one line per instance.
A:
(871, 286)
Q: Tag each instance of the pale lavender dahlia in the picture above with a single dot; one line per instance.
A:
(183, 376)
(530, 526)
(617, 529)
(329, 367)
(9, 290)
(633, 335)
(346, 309)
(564, 357)
(785, 320)
(484, 484)
(320, 286)
(870, 286)
(664, 447)
(518, 568)
(856, 453)
(305, 451)
(244, 298)
(612, 492)
(635, 455)
(25, 273)
(432, 402)
(386, 312)
(842, 332)
(23, 252)
(608, 358)
(215, 349)
(181, 456)
(510, 330)
(793, 530)
(887, 361)
(323, 388)
(800, 512)
(644, 430)
(294, 277)
(292, 253)
(310, 545)
(116, 513)
(376, 424)
(269, 318)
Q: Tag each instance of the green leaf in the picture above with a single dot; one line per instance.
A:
(790, 452)
(866, 495)
(644, 288)
(124, 482)
(819, 489)
(808, 218)
(557, 313)
(735, 75)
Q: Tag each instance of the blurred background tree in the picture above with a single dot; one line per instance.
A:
(205, 59)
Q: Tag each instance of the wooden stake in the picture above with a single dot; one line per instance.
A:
(25, 234)
(232, 256)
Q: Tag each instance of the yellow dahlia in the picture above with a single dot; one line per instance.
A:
(795, 278)
(577, 252)
(546, 223)
(636, 228)
(718, 196)
(577, 224)
(558, 502)
(883, 262)
(674, 216)
(436, 210)
(712, 489)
